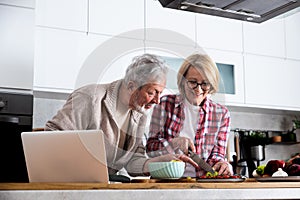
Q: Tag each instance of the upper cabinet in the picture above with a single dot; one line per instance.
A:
(58, 58)
(66, 14)
(292, 25)
(116, 17)
(266, 39)
(219, 33)
(179, 22)
(272, 82)
(16, 47)
(230, 64)
(66, 60)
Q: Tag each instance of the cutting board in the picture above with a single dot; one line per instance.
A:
(153, 180)
(189, 180)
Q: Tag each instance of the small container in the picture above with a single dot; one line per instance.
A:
(258, 152)
(291, 137)
(241, 168)
(276, 138)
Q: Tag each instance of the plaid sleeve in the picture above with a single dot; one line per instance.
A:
(158, 141)
(219, 150)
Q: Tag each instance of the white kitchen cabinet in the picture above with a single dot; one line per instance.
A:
(267, 38)
(272, 82)
(292, 25)
(235, 60)
(16, 47)
(64, 14)
(66, 60)
(219, 33)
(179, 22)
(232, 60)
(59, 55)
(116, 17)
(108, 59)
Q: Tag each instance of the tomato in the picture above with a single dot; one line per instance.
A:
(226, 176)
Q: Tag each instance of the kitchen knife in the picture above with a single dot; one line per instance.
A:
(201, 162)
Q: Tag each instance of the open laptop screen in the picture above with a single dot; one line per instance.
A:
(65, 156)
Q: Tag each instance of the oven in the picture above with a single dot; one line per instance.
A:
(16, 111)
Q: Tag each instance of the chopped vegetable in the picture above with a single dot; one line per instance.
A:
(176, 161)
(260, 170)
(209, 174)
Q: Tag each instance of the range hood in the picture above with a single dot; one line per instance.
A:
(247, 10)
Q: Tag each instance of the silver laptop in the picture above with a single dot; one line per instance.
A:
(65, 156)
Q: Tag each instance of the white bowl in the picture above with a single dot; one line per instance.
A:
(166, 170)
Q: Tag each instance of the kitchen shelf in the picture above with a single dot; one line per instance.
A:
(284, 143)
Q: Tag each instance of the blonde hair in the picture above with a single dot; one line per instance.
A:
(206, 67)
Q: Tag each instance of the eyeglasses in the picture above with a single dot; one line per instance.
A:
(194, 84)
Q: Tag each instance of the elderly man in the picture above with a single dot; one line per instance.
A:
(118, 109)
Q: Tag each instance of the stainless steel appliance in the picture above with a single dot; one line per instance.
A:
(248, 149)
(16, 110)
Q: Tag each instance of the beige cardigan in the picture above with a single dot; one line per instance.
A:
(93, 107)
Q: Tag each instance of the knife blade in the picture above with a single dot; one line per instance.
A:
(201, 162)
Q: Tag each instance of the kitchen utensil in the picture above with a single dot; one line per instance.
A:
(201, 162)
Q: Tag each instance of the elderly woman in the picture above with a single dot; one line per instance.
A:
(191, 120)
(117, 109)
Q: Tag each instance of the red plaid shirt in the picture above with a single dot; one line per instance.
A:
(212, 129)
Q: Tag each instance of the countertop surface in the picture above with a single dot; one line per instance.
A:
(150, 184)
(151, 189)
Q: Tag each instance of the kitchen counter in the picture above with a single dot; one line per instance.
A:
(249, 189)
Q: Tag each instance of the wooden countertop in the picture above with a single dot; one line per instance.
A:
(248, 184)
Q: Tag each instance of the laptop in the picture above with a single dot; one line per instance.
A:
(65, 156)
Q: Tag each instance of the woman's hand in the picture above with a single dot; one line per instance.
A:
(223, 168)
(168, 158)
(183, 144)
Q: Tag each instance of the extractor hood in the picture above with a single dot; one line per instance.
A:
(247, 10)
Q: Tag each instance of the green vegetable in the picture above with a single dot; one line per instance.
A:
(260, 169)
(211, 175)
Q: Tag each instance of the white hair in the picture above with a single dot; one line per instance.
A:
(147, 68)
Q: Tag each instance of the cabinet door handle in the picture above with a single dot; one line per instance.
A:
(9, 119)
